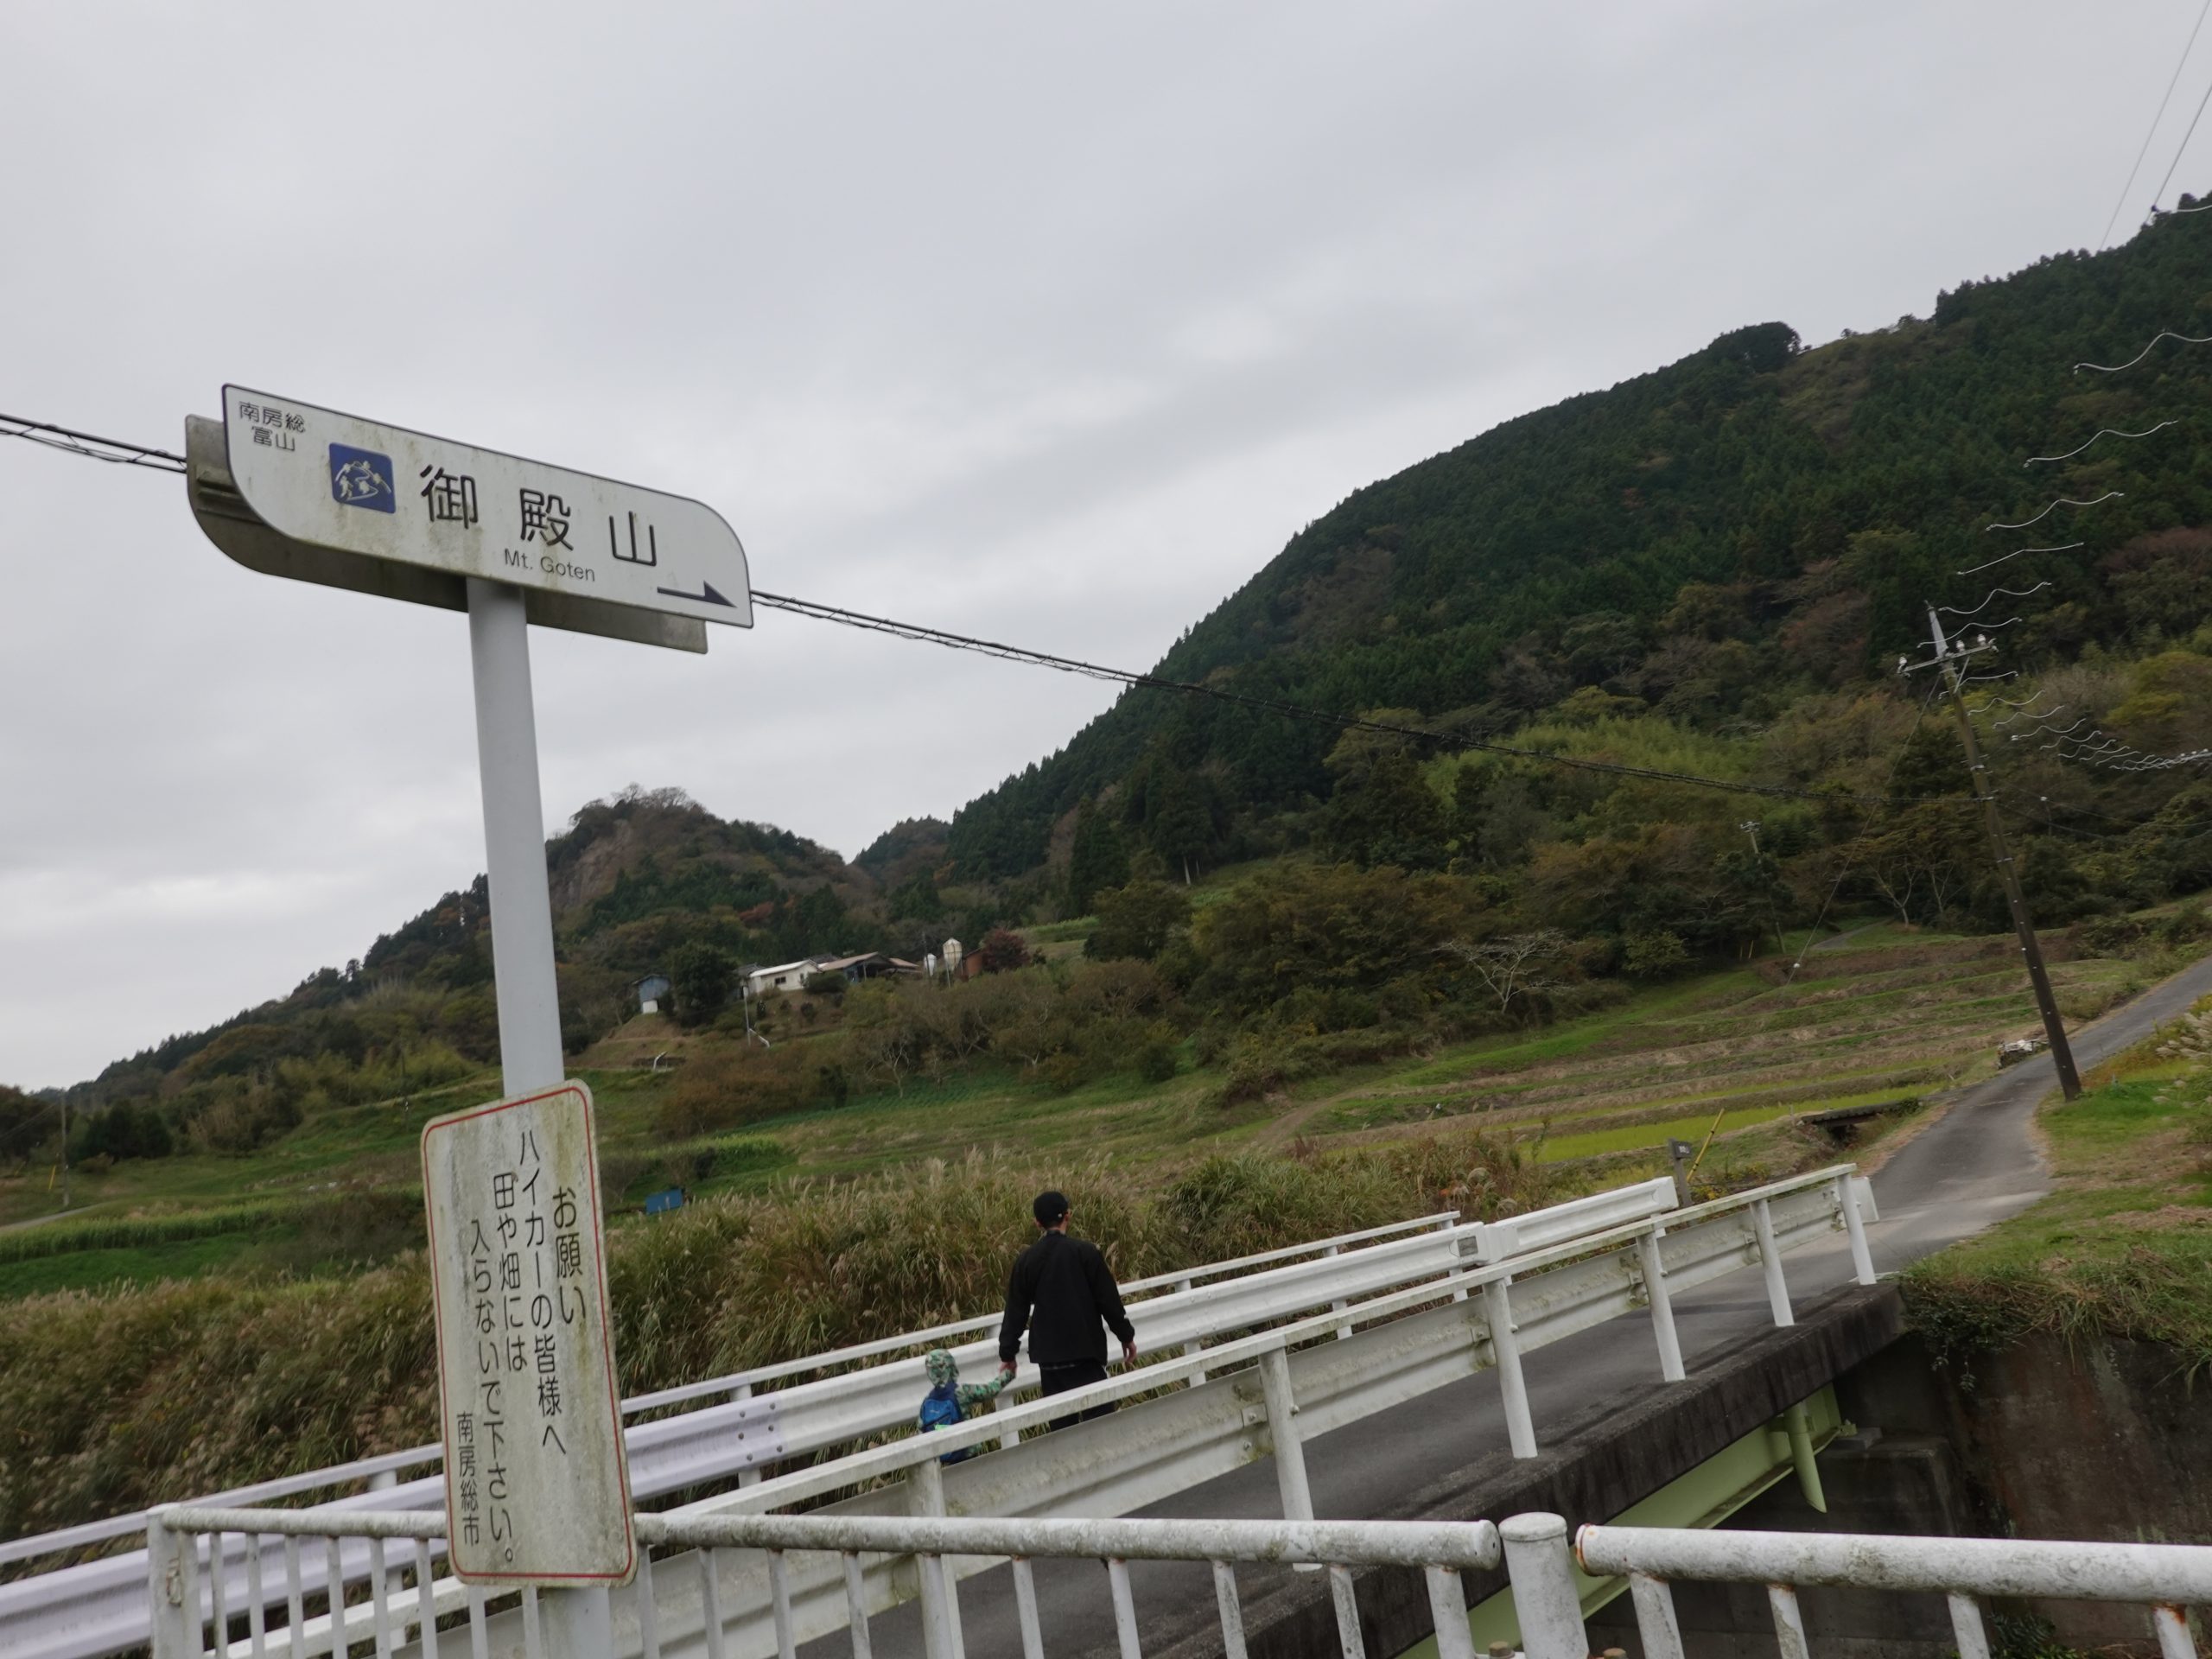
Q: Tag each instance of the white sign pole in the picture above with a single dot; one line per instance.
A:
(575, 1623)
(514, 839)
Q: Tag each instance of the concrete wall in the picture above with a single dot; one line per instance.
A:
(2106, 1443)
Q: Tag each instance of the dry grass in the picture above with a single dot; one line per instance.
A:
(122, 1398)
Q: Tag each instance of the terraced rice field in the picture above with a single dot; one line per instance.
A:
(1856, 1025)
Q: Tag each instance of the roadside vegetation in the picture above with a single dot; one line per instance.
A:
(2123, 1246)
(120, 1396)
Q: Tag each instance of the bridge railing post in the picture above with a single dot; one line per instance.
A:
(1662, 1305)
(1193, 1347)
(1497, 1310)
(170, 1589)
(1282, 1428)
(1777, 1288)
(1544, 1602)
(1458, 1280)
(1854, 1225)
(745, 1477)
(1340, 1304)
(940, 1586)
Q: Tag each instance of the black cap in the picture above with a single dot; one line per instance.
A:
(1049, 1208)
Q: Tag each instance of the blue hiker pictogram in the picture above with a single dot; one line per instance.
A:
(361, 478)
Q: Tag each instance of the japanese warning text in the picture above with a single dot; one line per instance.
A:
(536, 1486)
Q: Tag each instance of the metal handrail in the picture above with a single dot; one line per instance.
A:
(781, 1607)
(1182, 1279)
(184, 1622)
(718, 1388)
(1466, 1317)
(2168, 1578)
(1376, 1543)
(1978, 1567)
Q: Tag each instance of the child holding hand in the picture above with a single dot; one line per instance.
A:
(949, 1398)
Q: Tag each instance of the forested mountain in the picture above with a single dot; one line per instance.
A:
(1710, 543)
(634, 881)
(1710, 570)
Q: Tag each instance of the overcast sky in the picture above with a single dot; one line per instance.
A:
(1048, 323)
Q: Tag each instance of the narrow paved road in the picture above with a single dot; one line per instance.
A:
(1978, 1163)
(1971, 1168)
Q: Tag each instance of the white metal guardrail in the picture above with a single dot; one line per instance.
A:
(1250, 1396)
(875, 1564)
(380, 1473)
(97, 1607)
(768, 1583)
(2167, 1578)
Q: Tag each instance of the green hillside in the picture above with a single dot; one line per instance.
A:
(1717, 544)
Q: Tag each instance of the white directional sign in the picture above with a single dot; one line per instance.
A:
(537, 1490)
(336, 481)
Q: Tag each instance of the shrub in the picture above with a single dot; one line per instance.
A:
(701, 975)
(729, 1090)
(1002, 949)
(2107, 936)
(2186, 924)
(1138, 920)
(126, 1130)
(1653, 955)
(832, 985)
(1303, 928)
(1257, 1067)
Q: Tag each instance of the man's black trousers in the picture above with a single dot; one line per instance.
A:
(1058, 1379)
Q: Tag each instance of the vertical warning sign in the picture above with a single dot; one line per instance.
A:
(537, 1489)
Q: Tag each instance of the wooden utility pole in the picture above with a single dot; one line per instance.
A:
(1947, 662)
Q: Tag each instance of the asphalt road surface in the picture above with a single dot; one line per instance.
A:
(1971, 1167)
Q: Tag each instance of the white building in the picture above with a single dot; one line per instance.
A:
(784, 977)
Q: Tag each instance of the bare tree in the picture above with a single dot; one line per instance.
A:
(1516, 964)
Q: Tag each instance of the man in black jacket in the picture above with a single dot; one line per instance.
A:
(1063, 1293)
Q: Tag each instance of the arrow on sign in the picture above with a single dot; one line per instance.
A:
(709, 597)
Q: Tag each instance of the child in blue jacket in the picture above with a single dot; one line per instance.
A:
(949, 1398)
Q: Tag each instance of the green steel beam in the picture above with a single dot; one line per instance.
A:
(1705, 1497)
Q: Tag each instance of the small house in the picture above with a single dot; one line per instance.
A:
(781, 977)
(651, 991)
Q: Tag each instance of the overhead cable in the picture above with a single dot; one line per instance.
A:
(2062, 501)
(1298, 711)
(2163, 333)
(2182, 149)
(135, 454)
(2062, 547)
(2104, 432)
(1993, 594)
(91, 448)
(2153, 131)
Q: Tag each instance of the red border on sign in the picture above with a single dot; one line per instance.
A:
(607, 1334)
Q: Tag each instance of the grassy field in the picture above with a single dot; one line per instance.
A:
(1736, 1055)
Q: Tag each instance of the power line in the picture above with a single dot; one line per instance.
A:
(124, 454)
(2152, 131)
(91, 448)
(2102, 432)
(2062, 501)
(2114, 368)
(2182, 149)
(1299, 711)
